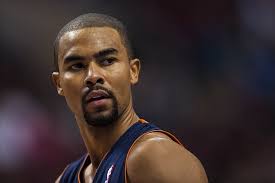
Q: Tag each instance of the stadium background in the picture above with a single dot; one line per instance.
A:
(208, 75)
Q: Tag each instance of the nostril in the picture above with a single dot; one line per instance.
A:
(100, 81)
(89, 83)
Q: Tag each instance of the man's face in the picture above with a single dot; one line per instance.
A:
(95, 74)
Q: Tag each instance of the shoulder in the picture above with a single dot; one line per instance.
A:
(58, 180)
(157, 158)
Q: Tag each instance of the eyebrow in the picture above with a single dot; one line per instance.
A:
(101, 53)
(105, 52)
(72, 58)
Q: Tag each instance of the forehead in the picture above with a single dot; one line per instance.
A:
(91, 38)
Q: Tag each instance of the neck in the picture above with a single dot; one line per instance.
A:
(99, 140)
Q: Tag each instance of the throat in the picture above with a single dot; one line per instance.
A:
(99, 141)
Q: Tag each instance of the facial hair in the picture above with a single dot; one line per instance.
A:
(101, 119)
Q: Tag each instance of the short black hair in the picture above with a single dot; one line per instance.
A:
(93, 20)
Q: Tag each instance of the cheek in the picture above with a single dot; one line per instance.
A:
(121, 84)
(72, 85)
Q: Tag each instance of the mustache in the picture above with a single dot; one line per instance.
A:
(97, 87)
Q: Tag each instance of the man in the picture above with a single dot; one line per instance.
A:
(95, 69)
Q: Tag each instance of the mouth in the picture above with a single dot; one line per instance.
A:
(96, 95)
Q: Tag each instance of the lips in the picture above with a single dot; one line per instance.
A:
(96, 95)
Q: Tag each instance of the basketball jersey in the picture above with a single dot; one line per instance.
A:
(112, 167)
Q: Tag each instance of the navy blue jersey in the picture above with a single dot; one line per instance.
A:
(112, 168)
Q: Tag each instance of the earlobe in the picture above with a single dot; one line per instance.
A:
(56, 82)
(60, 91)
(134, 70)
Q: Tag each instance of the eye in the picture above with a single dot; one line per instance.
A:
(77, 66)
(107, 61)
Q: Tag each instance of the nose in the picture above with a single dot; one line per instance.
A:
(93, 76)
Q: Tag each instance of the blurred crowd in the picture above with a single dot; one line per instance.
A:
(208, 76)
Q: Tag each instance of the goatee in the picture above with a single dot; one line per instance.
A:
(101, 119)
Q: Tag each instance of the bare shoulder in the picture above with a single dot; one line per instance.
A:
(58, 179)
(157, 158)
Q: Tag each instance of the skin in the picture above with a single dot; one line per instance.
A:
(115, 72)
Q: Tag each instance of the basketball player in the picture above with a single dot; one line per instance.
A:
(95, 69)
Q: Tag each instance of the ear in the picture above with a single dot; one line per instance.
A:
(56, 82)
(134, 70)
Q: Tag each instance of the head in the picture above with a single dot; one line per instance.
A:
(95, 68)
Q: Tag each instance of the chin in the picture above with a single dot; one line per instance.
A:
(105, 118)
